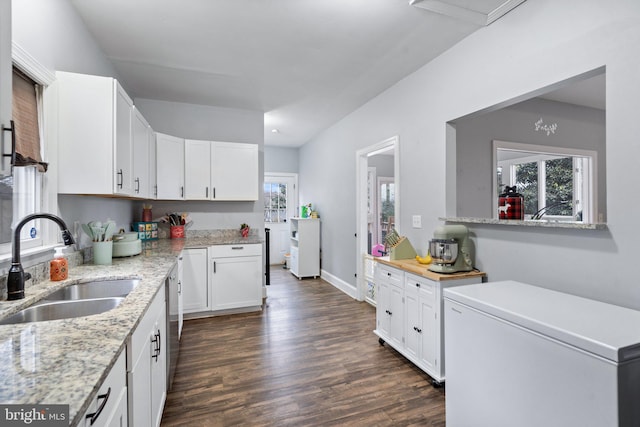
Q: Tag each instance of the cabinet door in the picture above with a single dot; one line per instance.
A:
(139, 383)
(383, 320)
(396, 316)
(413, 325)
(85, 120)
(430, 326)
(6, 96)
(236, 282)
(141, 151)
(170, 167)
(123, 142)
(153, 183)
(195, 284)
(158, 347)
(234, 171)
(180, 295)
(197, 169)
(294, 261)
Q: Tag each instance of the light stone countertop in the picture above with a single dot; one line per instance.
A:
(65, 361)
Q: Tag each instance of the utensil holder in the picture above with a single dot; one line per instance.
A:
(176, 232)
(102, 252)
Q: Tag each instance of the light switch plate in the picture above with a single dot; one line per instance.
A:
(417, 221)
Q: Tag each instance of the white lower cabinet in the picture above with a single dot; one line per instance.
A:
(109, 407)
(236, 276)
(146, 366)
(195, 282)
(408, 316)
(221, 277)
(390, 310)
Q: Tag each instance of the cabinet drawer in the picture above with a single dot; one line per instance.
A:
(425, 287)
(107, 401)
(224, 251)
(389, 275)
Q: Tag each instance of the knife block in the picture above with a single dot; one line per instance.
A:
(402, 250)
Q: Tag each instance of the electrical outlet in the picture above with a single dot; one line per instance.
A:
(417, 221)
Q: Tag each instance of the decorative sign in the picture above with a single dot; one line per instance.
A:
(539, 125)
(33, 233)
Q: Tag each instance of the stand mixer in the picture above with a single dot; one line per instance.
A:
(451, 249)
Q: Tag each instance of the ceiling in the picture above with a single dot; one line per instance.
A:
(305, 63)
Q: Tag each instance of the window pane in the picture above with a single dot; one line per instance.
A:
(527, 185)
(559, 186)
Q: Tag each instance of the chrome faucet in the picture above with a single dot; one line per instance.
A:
(17, 276)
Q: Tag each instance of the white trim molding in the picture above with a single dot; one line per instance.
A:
(339, 284)
(31, 66)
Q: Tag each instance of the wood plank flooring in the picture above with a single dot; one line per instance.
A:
(309, 358)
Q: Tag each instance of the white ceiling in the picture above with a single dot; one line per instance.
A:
(305, 63)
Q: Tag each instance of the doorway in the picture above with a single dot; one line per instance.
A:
(378, 202)
(280, 204)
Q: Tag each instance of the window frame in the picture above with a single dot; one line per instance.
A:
(47, 200)
(585, 186)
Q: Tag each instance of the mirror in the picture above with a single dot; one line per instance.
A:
(566, 120)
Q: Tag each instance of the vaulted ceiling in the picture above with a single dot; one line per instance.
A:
(304, 63)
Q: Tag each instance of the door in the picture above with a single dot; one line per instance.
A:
(280, 203)
(140, 132)
(195, 286)
(385, 207)
(197, 172)
(170, 167)
(123, 143)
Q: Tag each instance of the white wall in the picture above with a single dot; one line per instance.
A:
(281, 159)
(214, 124)
(578, 127)
(52, 32)
(537, 44)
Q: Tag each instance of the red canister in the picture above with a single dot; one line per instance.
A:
(511, 204)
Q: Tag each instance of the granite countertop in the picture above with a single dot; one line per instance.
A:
(65, 361)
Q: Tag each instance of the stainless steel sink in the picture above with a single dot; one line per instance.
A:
(96, 289)
(53, 310)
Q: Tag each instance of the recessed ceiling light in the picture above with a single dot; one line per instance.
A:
(275, 131)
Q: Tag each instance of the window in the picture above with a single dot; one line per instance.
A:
(275, 202)
(21, 193)
(555, 186)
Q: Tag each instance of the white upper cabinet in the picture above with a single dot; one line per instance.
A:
(123, 142)
(94, 135)
(170, 167)
(5, 86)
(197, 169)
(234, 171)
(220, 170)
(141, 153)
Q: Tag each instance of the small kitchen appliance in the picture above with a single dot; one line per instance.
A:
(451, 249)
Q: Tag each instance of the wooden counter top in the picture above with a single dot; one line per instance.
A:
(412, 266)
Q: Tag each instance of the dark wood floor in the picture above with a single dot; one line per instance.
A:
(309, 359)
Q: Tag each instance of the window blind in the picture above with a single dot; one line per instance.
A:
(25, 117)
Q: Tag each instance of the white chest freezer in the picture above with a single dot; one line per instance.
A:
(519, 355)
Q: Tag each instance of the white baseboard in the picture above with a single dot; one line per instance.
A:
(339, 284)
